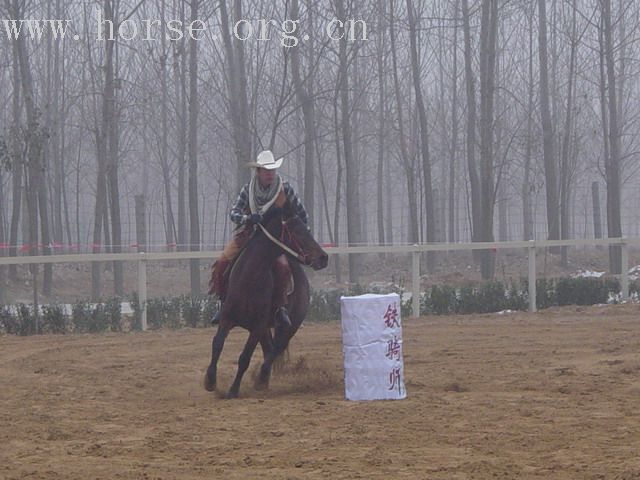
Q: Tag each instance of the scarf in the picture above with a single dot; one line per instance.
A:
(261, 199)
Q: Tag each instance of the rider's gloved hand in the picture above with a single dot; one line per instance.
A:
(255, 218)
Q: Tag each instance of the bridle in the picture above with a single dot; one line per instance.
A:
(301, 255)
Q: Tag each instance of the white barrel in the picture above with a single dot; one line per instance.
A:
(372, 347)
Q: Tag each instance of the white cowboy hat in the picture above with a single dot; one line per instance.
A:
(266, 160)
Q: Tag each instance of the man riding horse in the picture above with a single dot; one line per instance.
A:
(265, 190)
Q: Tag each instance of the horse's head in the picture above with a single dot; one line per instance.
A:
(287, 227)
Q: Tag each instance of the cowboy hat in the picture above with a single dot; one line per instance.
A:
(266, 160)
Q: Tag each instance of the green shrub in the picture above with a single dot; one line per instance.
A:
(545, 293)
(467, 302)
(155, 318)
(585, 291)
(406, 306)
(99, 319)
(26, 320)
(84, 317)
(53, 319)
(163, 312)
(173, 307)
(113, 314)
(209, 309)
(9, 321)
(134, 302)
(517, 298)
(324, 305)
(191, 308)
(491, 297)
(443, 299)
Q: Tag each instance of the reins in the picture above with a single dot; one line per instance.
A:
(301, 257)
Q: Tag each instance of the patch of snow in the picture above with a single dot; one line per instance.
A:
(587, 274)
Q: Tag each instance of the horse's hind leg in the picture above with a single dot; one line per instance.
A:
(243, 363)
(216, 349)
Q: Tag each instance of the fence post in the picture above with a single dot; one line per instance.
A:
(532, 277)
(142, 289)
(624, 270)
(415, 270)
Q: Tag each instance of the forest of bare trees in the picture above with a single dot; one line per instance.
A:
(401, 121)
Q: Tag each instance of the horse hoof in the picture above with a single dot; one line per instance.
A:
(231, 395)
(209, 386)
(261, 384)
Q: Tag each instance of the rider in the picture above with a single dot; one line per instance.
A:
(265, 189)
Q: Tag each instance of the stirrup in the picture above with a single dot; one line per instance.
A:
(216, 318)
(282, 318)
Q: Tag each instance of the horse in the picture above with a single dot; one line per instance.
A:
(248, 303)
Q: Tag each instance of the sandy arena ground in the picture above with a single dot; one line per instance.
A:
(554, 395)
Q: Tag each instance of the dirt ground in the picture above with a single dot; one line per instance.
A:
(552, 395)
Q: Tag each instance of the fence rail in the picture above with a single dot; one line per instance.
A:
(415, 250)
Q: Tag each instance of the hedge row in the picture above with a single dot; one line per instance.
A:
(86, 317)
(325, 305)
(487, 297)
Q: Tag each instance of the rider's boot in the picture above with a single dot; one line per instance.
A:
(216, 318)
(216, 285)
(282, 317)
(282, 275)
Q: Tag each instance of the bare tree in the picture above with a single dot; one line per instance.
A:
(194, 239)
(550, 160)
(424, 135)
(612, 161)
(353, 201)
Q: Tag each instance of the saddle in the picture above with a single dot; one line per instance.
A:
(222, 288)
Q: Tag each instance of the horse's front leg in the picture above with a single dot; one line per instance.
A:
(243, 363)
(216, 349)
(266, 342)
(277, 345)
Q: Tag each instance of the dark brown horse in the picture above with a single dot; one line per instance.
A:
(249, 299)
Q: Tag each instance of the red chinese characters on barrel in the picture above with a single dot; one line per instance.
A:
(391, 316)
(393, 347)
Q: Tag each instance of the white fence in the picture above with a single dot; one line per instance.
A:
(415, 250)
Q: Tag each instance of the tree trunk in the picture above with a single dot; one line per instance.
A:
(382, 112)
(476, 212)
(180, 72)
(488, 39)
(3, 252)
(454, 131)
(112, 149)
(340, 168)
(527, 215)
(164, 147)
(597, 216)
(550, 172)
(354, 233)
(408, 162)
(141, 223)
(237, 84)
(613, 173)
(193, 156)
(306, 100)
(34, 143)
(424, 135)
(565, 168)
(17, 161)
